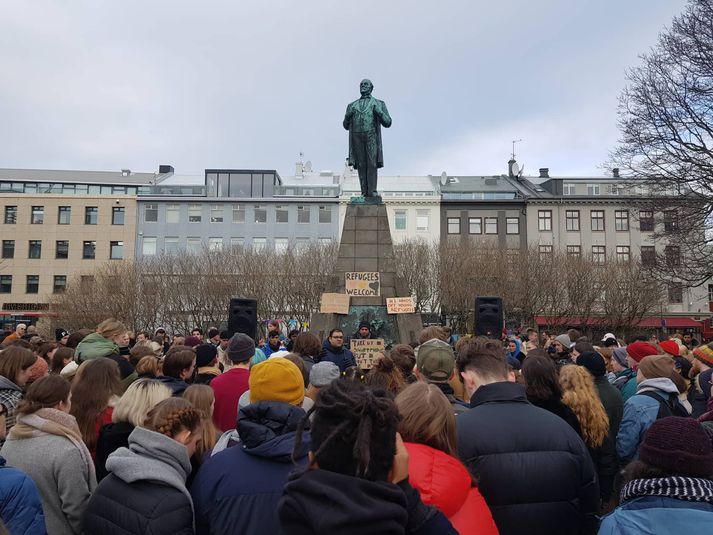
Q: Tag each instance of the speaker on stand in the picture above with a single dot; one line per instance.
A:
(242, 317)
(489, 319)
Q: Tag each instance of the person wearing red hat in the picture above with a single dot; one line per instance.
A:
(670, 347)
(634, 353)
(701, 375)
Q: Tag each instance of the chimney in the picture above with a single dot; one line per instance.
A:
(299, 168)
(615, 172)
(125, 172)
(544, 172)
(165, 169)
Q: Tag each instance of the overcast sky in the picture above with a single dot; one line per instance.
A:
(251, 84)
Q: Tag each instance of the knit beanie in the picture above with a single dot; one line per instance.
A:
(678, 445)
(205, 353)
(594, 362)
(704, 354)
(323, 373)
(277, 380)
(192, 341)
(619, 355)
(564, 340)
(60, 333)
(241, 348)
(638, 350)
(655, 366)
(670, 347)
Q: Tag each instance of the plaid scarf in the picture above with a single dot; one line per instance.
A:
(692, 489)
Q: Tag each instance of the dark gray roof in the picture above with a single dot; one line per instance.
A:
(79, 177)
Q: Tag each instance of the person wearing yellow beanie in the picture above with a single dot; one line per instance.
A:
(277, 380)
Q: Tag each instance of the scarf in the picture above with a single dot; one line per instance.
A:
(54, 422)
(692, 489)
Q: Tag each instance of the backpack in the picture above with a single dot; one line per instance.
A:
(667, 407)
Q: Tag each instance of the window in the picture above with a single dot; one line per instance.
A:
(170, 245)
(259, 244)
(91, 214)
(303, 214)
(491, 225)
(670, 220)
(574, 251)
(5, 284)
(675, 292)
(599, 254)
(195, 213)
(193, 245)
(215, 244)
(151, 213)
(597, 220)
(87, 279)
(400, 220)
(35, 250)
(117, 215)
(10, 215)
(512, 225)
(281, 245)
(260, 213)
(325, 214)
(216, 213)
(89, 250)
(710, 292)
(148, 246)
(646, 221)
(592, 189)
(38, 215)
(621, 220)
(475, 225)
(572, 220)
(116, 250)
(648, 255)
(8, 248)
(237, 242)
(623, 253)
(62, 250)
(421, 220)
(453, 225)
(545, 252)
(616, 189)
(173, 213)
(33, 284)
(64, 215)
(282, 215)
(569, 189)
(60, 284)
(673, 255)
(544, 220)
(238, 213)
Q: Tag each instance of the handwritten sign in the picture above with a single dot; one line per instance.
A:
(363, 283)
(400, 305)
(334, 304)
(367, 352)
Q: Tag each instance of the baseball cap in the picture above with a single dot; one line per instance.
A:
(435, 360)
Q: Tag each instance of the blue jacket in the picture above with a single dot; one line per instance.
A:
(639, 413)
(238, 489)
(20, 505)
(342, 357)
(658, 514)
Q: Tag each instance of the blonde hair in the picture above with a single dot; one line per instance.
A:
(140, 397)
(427, 417)
(111, 327)
(579, 394)
(202, 398)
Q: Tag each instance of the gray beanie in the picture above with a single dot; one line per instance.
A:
(620, 356)
(564, 340)
(241, 348)
(323, 373)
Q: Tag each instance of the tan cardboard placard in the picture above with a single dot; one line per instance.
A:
(367, 351)
(400, 305)
(363, 283)
(334, 304)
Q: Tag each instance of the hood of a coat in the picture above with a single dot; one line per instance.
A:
(441, 480)
(94, 345)
(662, 384)
(268, 429)
(7, 384)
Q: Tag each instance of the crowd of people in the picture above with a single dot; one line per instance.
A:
(107, 431)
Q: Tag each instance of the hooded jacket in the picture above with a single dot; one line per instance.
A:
(176, 386)
(145, 491)
(20, 505)
(445, 483)
(639, 413)
(93, 346)
(237, 489)
(10, 397)
(342, 357)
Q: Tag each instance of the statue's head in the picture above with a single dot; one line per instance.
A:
(366, 87)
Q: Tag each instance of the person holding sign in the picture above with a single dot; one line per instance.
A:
(364, 332)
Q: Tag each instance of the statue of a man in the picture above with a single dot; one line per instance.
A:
(364, 119)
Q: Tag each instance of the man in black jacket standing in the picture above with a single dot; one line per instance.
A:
(533, 470)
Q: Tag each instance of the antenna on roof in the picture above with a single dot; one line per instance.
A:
(513, 146)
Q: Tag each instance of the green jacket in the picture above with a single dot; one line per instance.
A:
(94, 346)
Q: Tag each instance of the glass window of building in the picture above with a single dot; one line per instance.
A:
(35, 250)
(422, 221)
(544, 220)
(646, 221)
(281, 245)
(216, 213)
(475, 225)
(60, 284)
(257, 185)
(673, 255)
(170, 245)
(195, 213)
(215, 244)
(491, 225)
(281, 214)
(670, 220)
(238, 213)
(569, 189)
(301, 243)
(303, 214)
(325, 214)
(675, 293)
(5, 284)
(151, 213)
(574, 251)
(223, 185)
(597, 217)
(453, 225)
(8, 248)
(62, 250)
(237, 242)
(173, 213)
(239, 185)
(10, 215)
(648, 255)
(148, 247)
(572, 220)
(599, 254)
(64, 215)
(328, 241)
(621, 220)
(400, 220)
(117, 215)
(545, 251)
(259, 244)
(623, 253)
(33, 284)
(38, 215)
(260, 213)
(193, 245)
(89, 250)
(512, 225)
(116, 250)
(91, 215)
(593, 189)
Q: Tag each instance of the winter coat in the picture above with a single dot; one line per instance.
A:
(176, 386)
(93, 346)
(205, 374)
(320, 502)
(457, 405)
(145, 491)
(639, 413)
(342, 357)
(612, 401)
(700, 392)
(10, 397)
(658, 514)
(111, 438)
(628, 389)
(445, 483)
(20, 505)
(533, 470)
(267, 350)
(237, 489)
(555, 406)
(228, 387)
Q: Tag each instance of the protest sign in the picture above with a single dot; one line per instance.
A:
(400, 305)
(363, 283)
(366, 352)
(334, 304)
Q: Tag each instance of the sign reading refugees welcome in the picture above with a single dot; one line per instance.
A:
(400, 305)
(363, 283)
(367, 351)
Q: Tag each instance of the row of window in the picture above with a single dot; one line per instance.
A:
(401, 220)
(32, 284)
(194, 245)
(70, 189)
(596, 217)
(61, 251)
(672, 253)
(64, 215)
(483, 225)
(569, 188)
(217, 213)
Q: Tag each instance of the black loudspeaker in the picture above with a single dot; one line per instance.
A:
(242, 317)
(488, 316)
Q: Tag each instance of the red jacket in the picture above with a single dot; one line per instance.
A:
(228, 387)
(445, 483)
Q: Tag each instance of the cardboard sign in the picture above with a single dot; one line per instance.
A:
(400, 305)
(334, 304)
(366, 352)
(363, 283)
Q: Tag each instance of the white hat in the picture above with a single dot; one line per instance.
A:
(609, 336)
(279, 354)
(69, 370)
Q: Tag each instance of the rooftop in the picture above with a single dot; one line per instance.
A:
(122, 177)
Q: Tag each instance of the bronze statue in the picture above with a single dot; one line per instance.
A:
(364, 119)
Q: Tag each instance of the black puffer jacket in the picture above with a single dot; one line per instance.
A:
(533, 470)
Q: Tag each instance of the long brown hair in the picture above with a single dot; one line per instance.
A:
(58, 358)
(202, 398)
(427, 418)
(44, 393)
(15, 359)
(97, 380)
(580, 395)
